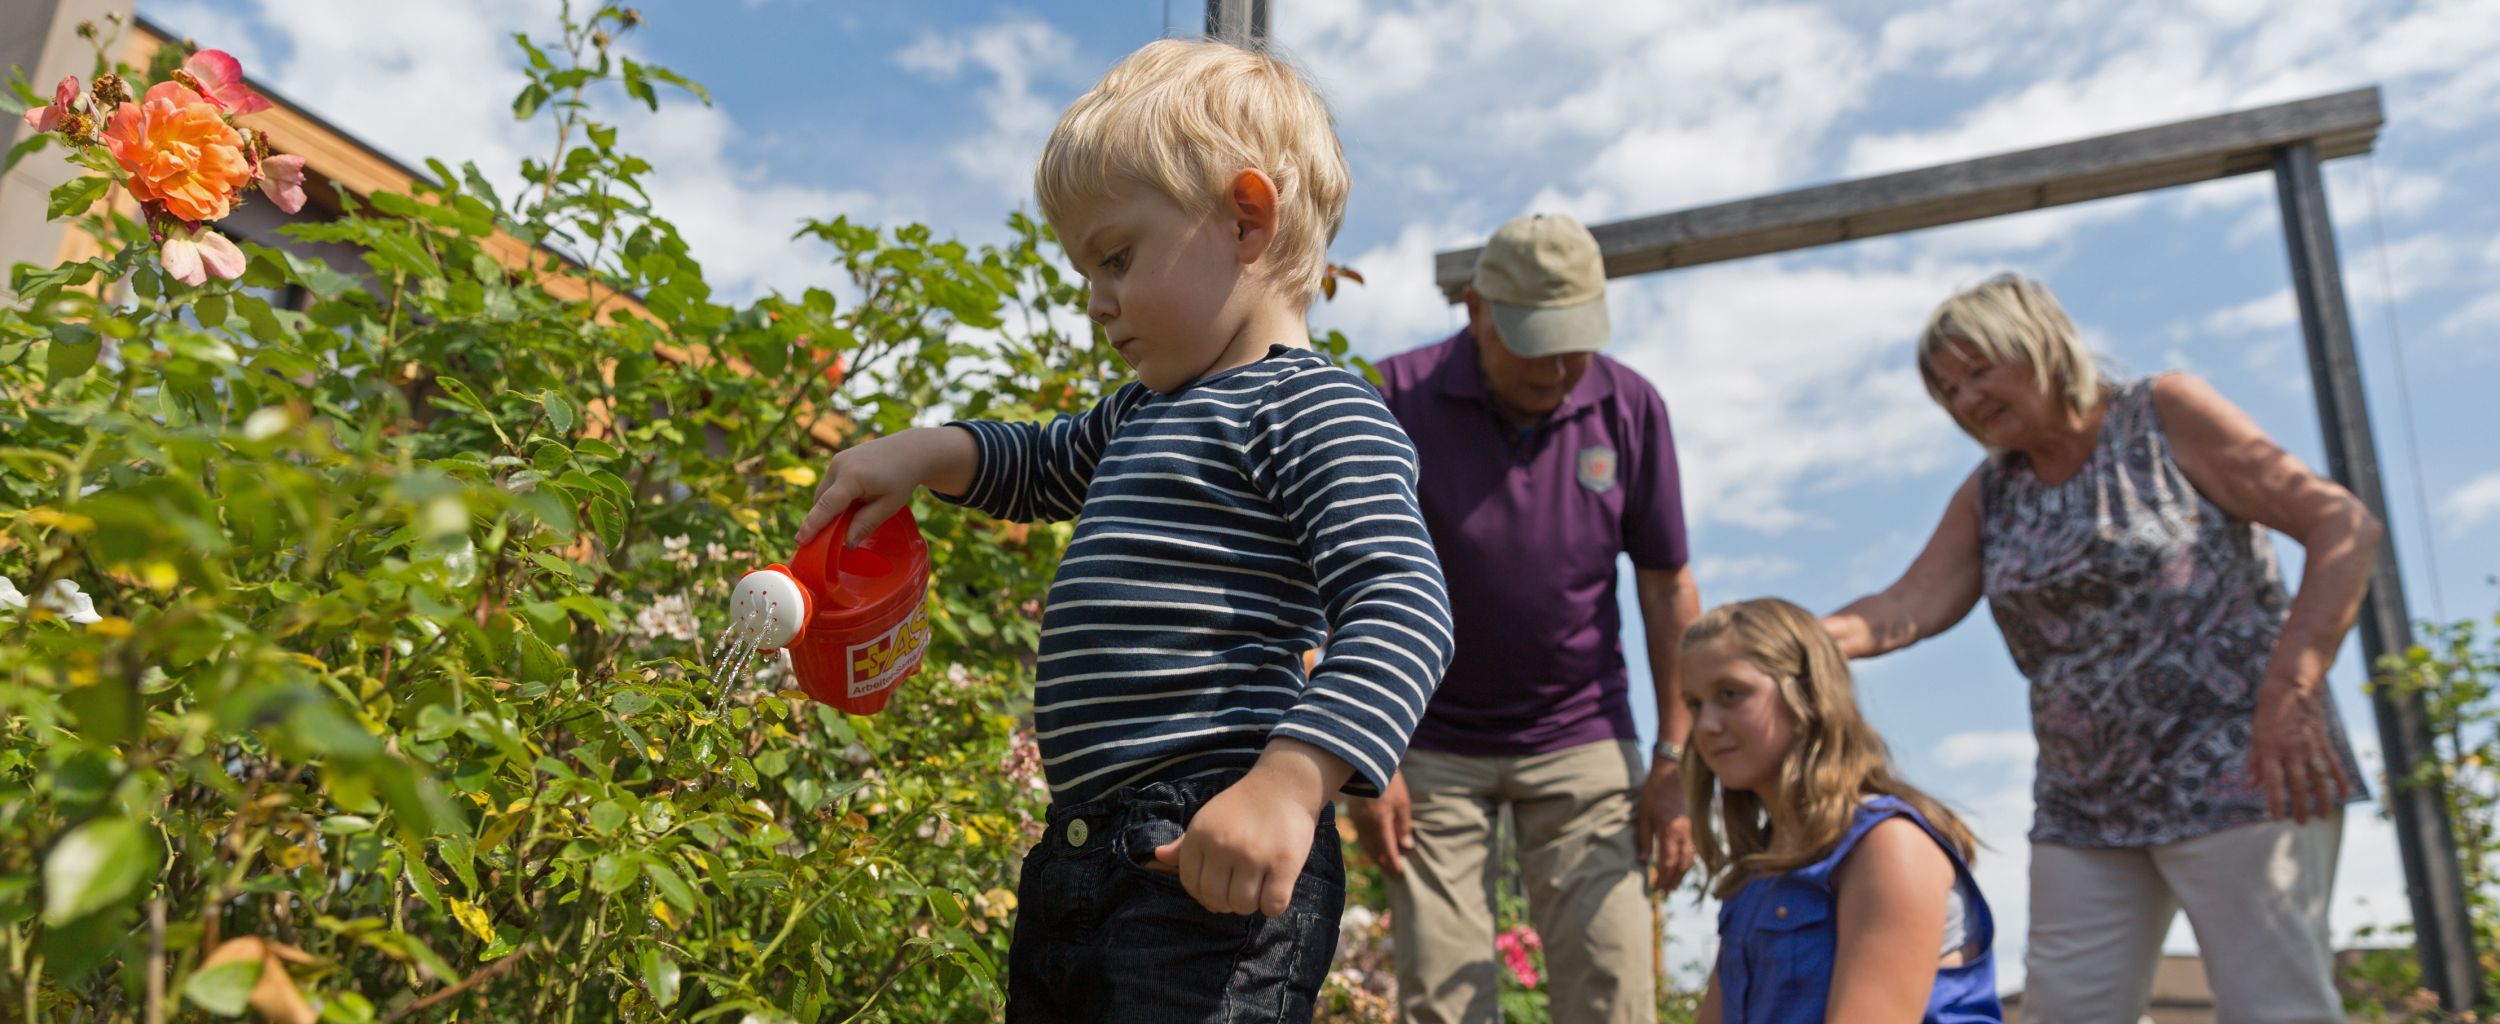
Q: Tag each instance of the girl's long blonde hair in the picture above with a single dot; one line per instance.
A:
(1836, 762)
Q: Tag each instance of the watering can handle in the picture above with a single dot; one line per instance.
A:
(825, 568)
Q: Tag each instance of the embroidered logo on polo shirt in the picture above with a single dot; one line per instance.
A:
(1597, 468)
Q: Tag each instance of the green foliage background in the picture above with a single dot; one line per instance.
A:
(405, 596)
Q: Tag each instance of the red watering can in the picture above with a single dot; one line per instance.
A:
(855, 619)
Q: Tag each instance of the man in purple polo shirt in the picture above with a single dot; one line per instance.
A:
(1542, 462)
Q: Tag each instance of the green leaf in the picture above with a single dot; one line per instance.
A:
(610, 873)
(95, 866)
(660, 975)
(224, 990)
(73, 352)
(559, 411)
(76, 195)
(525, 105)
(670, 884)
(24, 149)
(609, 817)
(347, 1008)
(210, 309)
(948, 907)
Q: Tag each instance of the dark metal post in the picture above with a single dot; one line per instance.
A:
(1242, 23)
(2428, 847)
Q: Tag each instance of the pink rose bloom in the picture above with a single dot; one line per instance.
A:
(64, 96)
(192, 254)
(221, 82)
(282, 180)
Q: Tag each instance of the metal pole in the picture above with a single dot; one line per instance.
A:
(2433, 878)
(1242, 23)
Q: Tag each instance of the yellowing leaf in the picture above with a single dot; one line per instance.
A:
(474, 919)
(749, 518)
(160, 576)
(111, 625)
(798, 476)
(659, 909)
(70, 522)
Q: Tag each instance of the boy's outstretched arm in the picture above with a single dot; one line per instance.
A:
(879, 477)
(1014, 471)
(1245, 848)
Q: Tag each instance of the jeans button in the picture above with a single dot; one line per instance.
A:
(1076, 832)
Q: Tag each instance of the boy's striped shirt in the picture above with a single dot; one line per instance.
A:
(1221, 531)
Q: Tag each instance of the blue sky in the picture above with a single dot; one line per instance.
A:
(1815, 463)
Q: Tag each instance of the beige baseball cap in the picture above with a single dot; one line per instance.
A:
(1547, 284)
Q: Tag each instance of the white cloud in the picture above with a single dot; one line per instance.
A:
(2274, 311)
(1715, 571)
(2372, 276)
(2472, 504)
(437, 80)
(2012, 747)
(1019, 54)
(2482, 314)
(1783, 380)
(1398, 306)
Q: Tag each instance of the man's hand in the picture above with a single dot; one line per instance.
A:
(1244, 849)
(1665, 832)
(1385, 826)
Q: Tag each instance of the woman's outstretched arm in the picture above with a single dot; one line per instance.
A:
(1938, 588)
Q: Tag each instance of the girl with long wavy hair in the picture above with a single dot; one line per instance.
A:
(1846, 893)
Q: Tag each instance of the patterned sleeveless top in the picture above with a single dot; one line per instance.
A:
(2144, 616)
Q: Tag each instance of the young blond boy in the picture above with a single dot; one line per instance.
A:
(1243, 501)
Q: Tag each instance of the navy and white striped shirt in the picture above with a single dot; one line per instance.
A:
(1221, 531)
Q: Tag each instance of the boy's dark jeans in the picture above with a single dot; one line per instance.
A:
(1100, 937)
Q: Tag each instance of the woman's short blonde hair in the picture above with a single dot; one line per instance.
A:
(2010, 318)
(1183, 118)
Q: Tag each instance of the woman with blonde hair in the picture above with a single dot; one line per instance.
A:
(2188, 753)
(1846, 893)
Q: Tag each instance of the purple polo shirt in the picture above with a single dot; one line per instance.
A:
(1528, 524)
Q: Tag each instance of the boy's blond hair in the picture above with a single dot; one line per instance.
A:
(1183, 117)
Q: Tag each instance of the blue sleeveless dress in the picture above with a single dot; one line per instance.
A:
(1779, 938)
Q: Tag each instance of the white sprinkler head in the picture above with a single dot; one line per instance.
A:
(769, 606)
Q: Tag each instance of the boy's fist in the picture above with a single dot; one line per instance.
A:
(1243, 850)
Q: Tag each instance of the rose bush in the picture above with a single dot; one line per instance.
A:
(393, 697)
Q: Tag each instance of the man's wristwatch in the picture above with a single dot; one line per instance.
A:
(1667, 750)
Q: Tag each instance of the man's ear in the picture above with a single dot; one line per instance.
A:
(1479, 311)
(1251, 205)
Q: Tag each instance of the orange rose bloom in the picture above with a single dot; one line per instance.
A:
(180, 152)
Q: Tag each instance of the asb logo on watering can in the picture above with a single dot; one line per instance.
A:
(855, 619)
(886, 660)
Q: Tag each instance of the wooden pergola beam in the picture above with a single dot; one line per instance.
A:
(2180, 153)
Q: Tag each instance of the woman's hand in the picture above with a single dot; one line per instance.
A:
(2291, 754)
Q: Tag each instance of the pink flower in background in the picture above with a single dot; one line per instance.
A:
(220, 79)
(64, 96)
(192, 254)
(282, 180)
(1515, 946)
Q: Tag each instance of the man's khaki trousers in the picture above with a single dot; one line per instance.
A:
(1574, 812)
